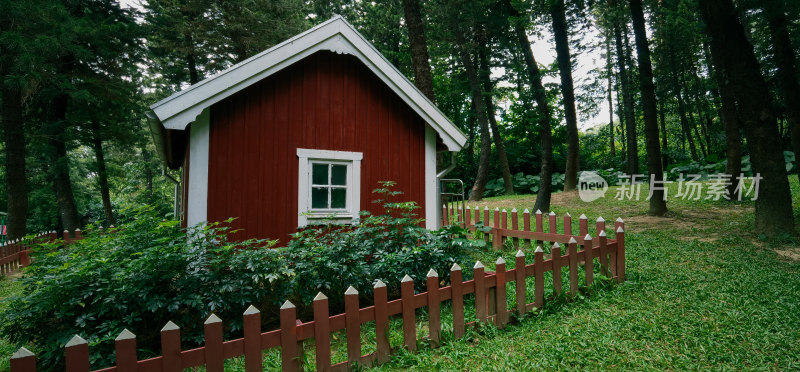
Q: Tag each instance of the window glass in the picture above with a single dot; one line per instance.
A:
(338, 174)
(338, 198)
(319, 174)
(319, 197)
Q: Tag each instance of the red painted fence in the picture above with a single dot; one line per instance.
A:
(490, 306)
(15, 255)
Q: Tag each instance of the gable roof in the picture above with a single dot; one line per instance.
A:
(180, 109)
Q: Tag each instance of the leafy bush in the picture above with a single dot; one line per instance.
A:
(138, 277)
(149, 271)
(523, 184)
(330, 258)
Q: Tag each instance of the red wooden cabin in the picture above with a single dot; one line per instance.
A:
(300, 132)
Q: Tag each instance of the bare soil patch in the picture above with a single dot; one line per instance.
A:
(790, 254)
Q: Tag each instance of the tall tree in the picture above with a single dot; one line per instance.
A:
(677, 87)
(658, 205)
(787, 67)
(773, 208)
(56, 131)
(497, 137)
(518, 23)
(478, 106)
(560, 34)
(632, 147)
(609, 73)
(16, 181)
(730, 122)
(102, 173)
(420, 59)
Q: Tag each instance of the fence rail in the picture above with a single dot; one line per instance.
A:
(489, 289)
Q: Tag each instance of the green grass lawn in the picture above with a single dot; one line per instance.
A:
(8, 287)
(702, 292)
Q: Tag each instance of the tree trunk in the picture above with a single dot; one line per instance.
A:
(499, 144)
(609, 62)
(102, 174)
(476, 193)
(62, 186)
(692, 122)
(191, 63)
(567, 92)
(539, 93)
(418, 44)
(773, 208)
(787, 68)
(621, 115)
(632, 154)
(663, 122)
(730, 122)
(658, 205)
(16, 181)
(702, 108)
(681, 105)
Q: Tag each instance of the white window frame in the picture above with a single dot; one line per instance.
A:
(353, 204)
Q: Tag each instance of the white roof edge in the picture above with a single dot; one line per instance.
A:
(336, 34)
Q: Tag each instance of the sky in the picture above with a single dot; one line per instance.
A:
(543, 47)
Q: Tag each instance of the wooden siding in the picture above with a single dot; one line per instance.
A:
(327, 102)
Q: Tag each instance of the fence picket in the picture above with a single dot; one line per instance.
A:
(583, 225)
(252, 339)
(526, 223)
(480, 292)
(77, 355)
(588, 259)
(601, 237)
(125, 350)
(620, 254)
(539, 225)
(567, 224)
(23, 360)
(434, 315)
(538, 277)
(352, 327)
(289, 354)
(171, 348)
(519, 279)
(457, 289)
(380, 294)
(409, 320)
(500, 295)
(555, 256)
(215, 360)
(601, 224)
(572, 252)
(322, 338)
(515, 226)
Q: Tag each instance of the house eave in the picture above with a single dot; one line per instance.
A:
(179, 110)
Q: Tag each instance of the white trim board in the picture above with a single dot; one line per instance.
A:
(432, 210)
(199, 133)
(180, 109)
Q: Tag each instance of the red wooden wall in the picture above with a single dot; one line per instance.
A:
(328, 102)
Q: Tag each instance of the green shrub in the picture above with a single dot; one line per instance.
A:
(139, 276)
(149, 271)
(523, 184)
(330, 258)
